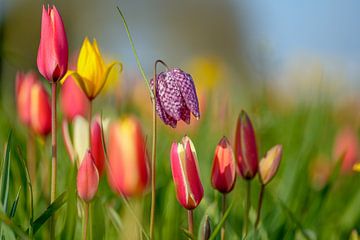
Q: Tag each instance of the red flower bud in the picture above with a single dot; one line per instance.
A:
(52, 58)
(40, 110)
(185, 171)
(97, 145)
(87, 178)
(128, 171)
(245, 147)
(73, 100)
(24, 83)
(223, 173)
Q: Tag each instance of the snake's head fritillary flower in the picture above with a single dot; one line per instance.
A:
(52, 58)
(176, 97)
(128, 170)
(223, 173)
(245, 147)
(185, 171)
(24, 83)
(346, 148)
(73, 100)
(40, 110)
(269, 164)
(92, 73)
(87, 178)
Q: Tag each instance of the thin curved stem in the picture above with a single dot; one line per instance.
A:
(261, 196)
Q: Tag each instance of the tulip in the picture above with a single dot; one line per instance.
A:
(223, 170)
(176, 97)
(346, 148)
(24, 82)
(92, 73)
(87, 178)
(245, 147)
(40, 111)
(52, 58)
(128, 171)
(73, 100)
(184, 167)
(269, 164)
(97, 148)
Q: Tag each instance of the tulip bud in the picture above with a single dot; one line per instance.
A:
(96, 144)
(52, 58)
(87, 178)
(24, 83)
(73, 100)
(245, 147)
(128, 171)
(223, 173)
(40, 110)
(206, 230)
(185, 171)
(269, 164)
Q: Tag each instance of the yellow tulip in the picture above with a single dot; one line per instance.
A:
(92, 73)
(356, 167)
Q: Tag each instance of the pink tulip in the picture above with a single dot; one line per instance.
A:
(40, 110)
(346, 148)
(52, 58)
(184, 167)
(87, 178)
(24, 83)
(223, 173)
(245, 147)
(128, 171)
(269, 164)
(73, 100)
(97, 145)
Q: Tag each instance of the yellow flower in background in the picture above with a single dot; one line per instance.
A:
(92, 73)
(356, 167)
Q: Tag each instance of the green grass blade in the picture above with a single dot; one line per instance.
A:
(222, 221)
(6, 220)
(5, 175)
(14, 205)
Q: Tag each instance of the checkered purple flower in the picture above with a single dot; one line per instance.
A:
(175, 97)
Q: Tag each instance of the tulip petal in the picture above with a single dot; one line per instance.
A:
(101, 85)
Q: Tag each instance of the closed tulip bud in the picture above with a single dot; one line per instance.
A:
(96, 144)
(24, 83)
(245, 147)
(87, 178)
(128, 171)
(269, 164)
(40, 110)
(185, 171)
(52, 58)
(73, 100)
(223, 173)
(206, 229)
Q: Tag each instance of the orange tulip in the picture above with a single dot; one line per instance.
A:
(128, 171)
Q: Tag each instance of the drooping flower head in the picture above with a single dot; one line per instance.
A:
(176, 97)
(52, 58)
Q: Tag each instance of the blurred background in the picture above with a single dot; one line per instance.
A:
(294, 66)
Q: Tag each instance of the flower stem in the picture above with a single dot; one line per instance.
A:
(247, 208)
(89, 121)
(54, 155)
(191, 222)
(86, 219)
(261, 196)
(223, 210)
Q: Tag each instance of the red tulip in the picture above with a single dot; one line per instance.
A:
(24, 83)
(73, 100)
(185, 171)
(52, 58)
(40, 110)
(128, 171)
(223, 173)
(269, 164)
(347, 148)
(97, 145)
(87, 178)
(245, 147)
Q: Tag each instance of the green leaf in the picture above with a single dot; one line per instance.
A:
(115, 219)
(14, 205)
(5, 175)
(52, 208)
(187, 233)
(222, 221)
(6, 220)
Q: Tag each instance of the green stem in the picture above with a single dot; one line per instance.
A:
(86, 219)
(89, 121)
(261, 196)
(223, 210)
(54, 155)
(247, 208)
(191, 222)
